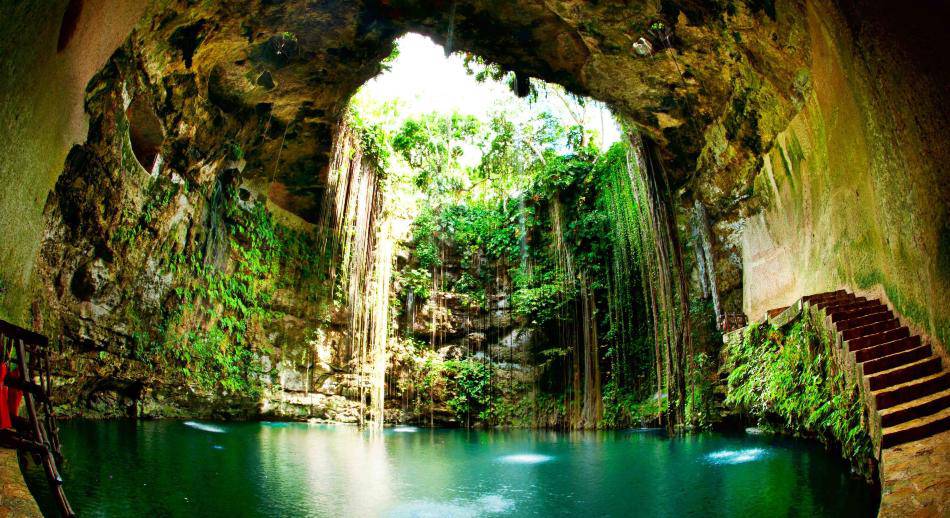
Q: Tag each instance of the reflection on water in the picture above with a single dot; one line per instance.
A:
(170, 468)
(488, 504)
(526, 458)
(204, 427)
(735, 456)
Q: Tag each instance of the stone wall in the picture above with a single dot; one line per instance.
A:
(42, 83)
(157, 247)
(855, 190)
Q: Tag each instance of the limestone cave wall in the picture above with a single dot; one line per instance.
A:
(808, 133)
(855, 190)
(49, 55)
(722, 80)
(173, 286)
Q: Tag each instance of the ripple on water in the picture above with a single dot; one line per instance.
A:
(525, 458)
(488, 504)
(204, 427)
(405, 429)
(735, 456)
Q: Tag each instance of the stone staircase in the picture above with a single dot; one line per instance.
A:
(905, 384)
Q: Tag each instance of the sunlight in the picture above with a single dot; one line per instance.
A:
(204, 427)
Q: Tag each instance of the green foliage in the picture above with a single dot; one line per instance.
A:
(425, 239)
(207, 328)
(792, 376)
(468, 383)
(622, 407)
(481, 69)
(235, 151)
(417, 281)
(374, 141)
(386, 64)
(432, 145)
(699, 392)
(542, 301)
(158, 196)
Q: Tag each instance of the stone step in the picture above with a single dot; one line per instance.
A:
(904, 373)
(860, 321)
(886, 349)
(843, 304)
(856, 344)
(838, 301)
(857, 309)
(829, 296)
(915, 409)
(905, 392)
(892, 361)
(822, 296)
(916, 429)
(870, 329)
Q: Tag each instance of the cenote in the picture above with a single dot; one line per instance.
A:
(175, 468)
(474, 258)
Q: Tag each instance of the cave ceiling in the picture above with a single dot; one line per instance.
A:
(274, 77)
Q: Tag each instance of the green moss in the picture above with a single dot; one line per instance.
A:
(787, 166)
(789, 379)
(206, 332)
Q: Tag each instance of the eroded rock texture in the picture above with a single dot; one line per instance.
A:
(176, 287)
(240, 102)
(723, 79)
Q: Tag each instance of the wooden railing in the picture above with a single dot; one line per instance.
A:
(38, 434)
(732, 321)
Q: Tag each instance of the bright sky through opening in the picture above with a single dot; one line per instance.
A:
(423, 80)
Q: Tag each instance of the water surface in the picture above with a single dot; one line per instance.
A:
(192, 468)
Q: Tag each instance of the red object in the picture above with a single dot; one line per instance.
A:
(4, 413)
(14, 396)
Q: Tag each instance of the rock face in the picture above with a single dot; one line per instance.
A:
(723, 79)
(853, 191)
(172, 280)
(810, 132)
(284, 72)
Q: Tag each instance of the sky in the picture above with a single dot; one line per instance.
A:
(422, 80)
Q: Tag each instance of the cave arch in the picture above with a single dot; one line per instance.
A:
(145, 133)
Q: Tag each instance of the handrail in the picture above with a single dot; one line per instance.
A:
(38, 436)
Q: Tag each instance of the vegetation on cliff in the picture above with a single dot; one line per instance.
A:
(789, 380)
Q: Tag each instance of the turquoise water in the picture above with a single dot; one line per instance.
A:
(175, 468)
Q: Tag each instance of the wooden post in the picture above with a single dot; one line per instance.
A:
(49, 465)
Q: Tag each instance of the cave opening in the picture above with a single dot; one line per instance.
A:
(145, 132)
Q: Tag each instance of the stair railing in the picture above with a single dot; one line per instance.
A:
(38, 434)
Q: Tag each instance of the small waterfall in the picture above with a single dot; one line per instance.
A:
(378, 309)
